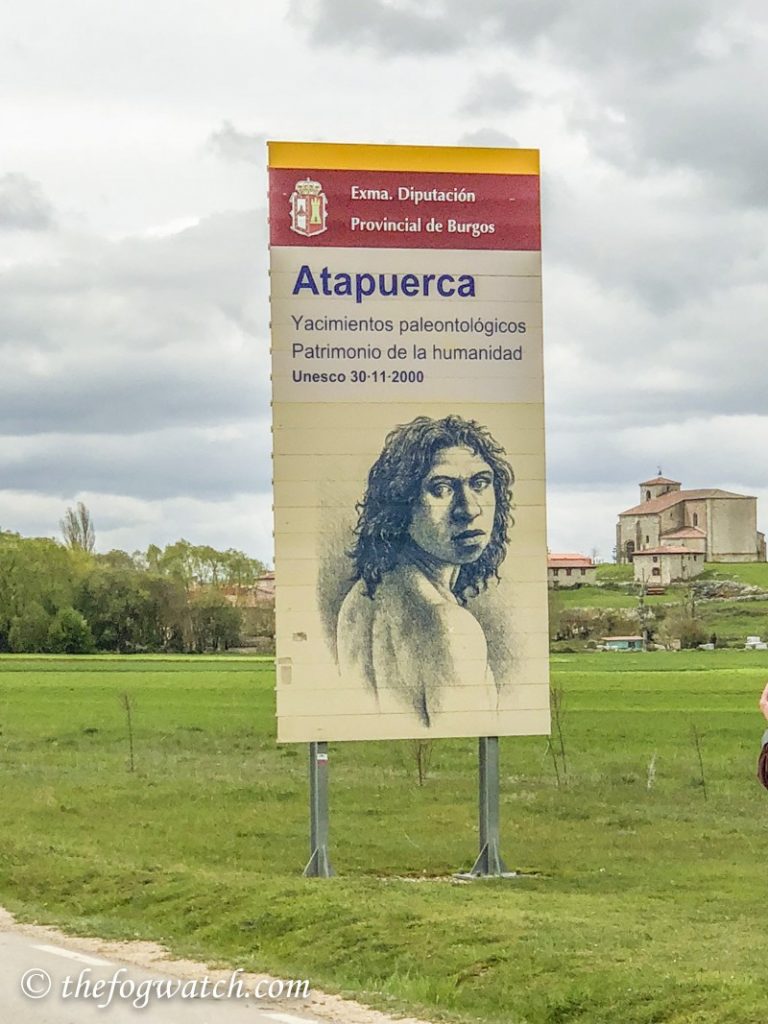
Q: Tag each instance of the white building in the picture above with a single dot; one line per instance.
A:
(667, 564)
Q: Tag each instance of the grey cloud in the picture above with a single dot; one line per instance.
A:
(653, 85)
(698, 451)
(707, 120)
(220, 260)
(672, 86)
(151, 466)
(407, 28)
(651, 35)
(231, 144)
(23, 205)
(660, 85)
(129, 395)
(137, 334)
(496, 93)
(634, 384)
(664, 243)
(655, 328)
(401, 29)
(634, 407)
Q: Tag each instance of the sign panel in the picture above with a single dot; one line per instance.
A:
(408, 426)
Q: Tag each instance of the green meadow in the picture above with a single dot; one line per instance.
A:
(752, 573)
(731, 619)
(644, 867)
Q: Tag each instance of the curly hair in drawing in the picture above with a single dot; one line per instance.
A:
(394, 487)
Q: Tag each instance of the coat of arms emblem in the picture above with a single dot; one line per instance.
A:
(309, 208)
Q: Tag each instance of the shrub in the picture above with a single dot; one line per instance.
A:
(215, 624)
(69, 633)
(29, 631)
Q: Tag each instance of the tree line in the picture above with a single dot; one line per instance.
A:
(61, 597)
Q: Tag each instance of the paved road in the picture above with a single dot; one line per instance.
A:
(41, 962)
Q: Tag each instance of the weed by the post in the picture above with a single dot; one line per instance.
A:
(696, 737)
(127, 704)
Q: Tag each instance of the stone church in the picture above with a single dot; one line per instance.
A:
(719, 524)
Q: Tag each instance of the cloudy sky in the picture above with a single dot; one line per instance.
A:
(133, 290)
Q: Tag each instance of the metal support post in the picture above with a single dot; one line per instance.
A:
(489, 863)
(318, 866)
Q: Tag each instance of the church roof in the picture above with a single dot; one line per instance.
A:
(687, 533)
(665, 501)
(659, 480)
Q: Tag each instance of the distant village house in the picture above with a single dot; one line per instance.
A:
(658, 567)
(570, 570)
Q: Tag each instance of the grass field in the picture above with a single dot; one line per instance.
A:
(754, 573)
(600, 597)
(647, 907)
(607, 572)
(732, 621)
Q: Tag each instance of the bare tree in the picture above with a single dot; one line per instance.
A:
(77, 528)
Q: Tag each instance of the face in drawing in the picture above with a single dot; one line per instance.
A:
(442, 487)
(453, 516)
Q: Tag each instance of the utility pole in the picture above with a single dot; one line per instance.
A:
(642, 612)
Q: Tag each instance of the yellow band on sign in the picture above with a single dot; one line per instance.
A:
(336, 156)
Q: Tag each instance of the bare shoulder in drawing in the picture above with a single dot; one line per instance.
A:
(431, 532)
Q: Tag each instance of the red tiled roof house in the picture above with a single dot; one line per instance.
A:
(570, 570)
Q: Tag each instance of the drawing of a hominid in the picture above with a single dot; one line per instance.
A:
(432, 531)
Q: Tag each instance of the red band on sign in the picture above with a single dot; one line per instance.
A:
(404, 210)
